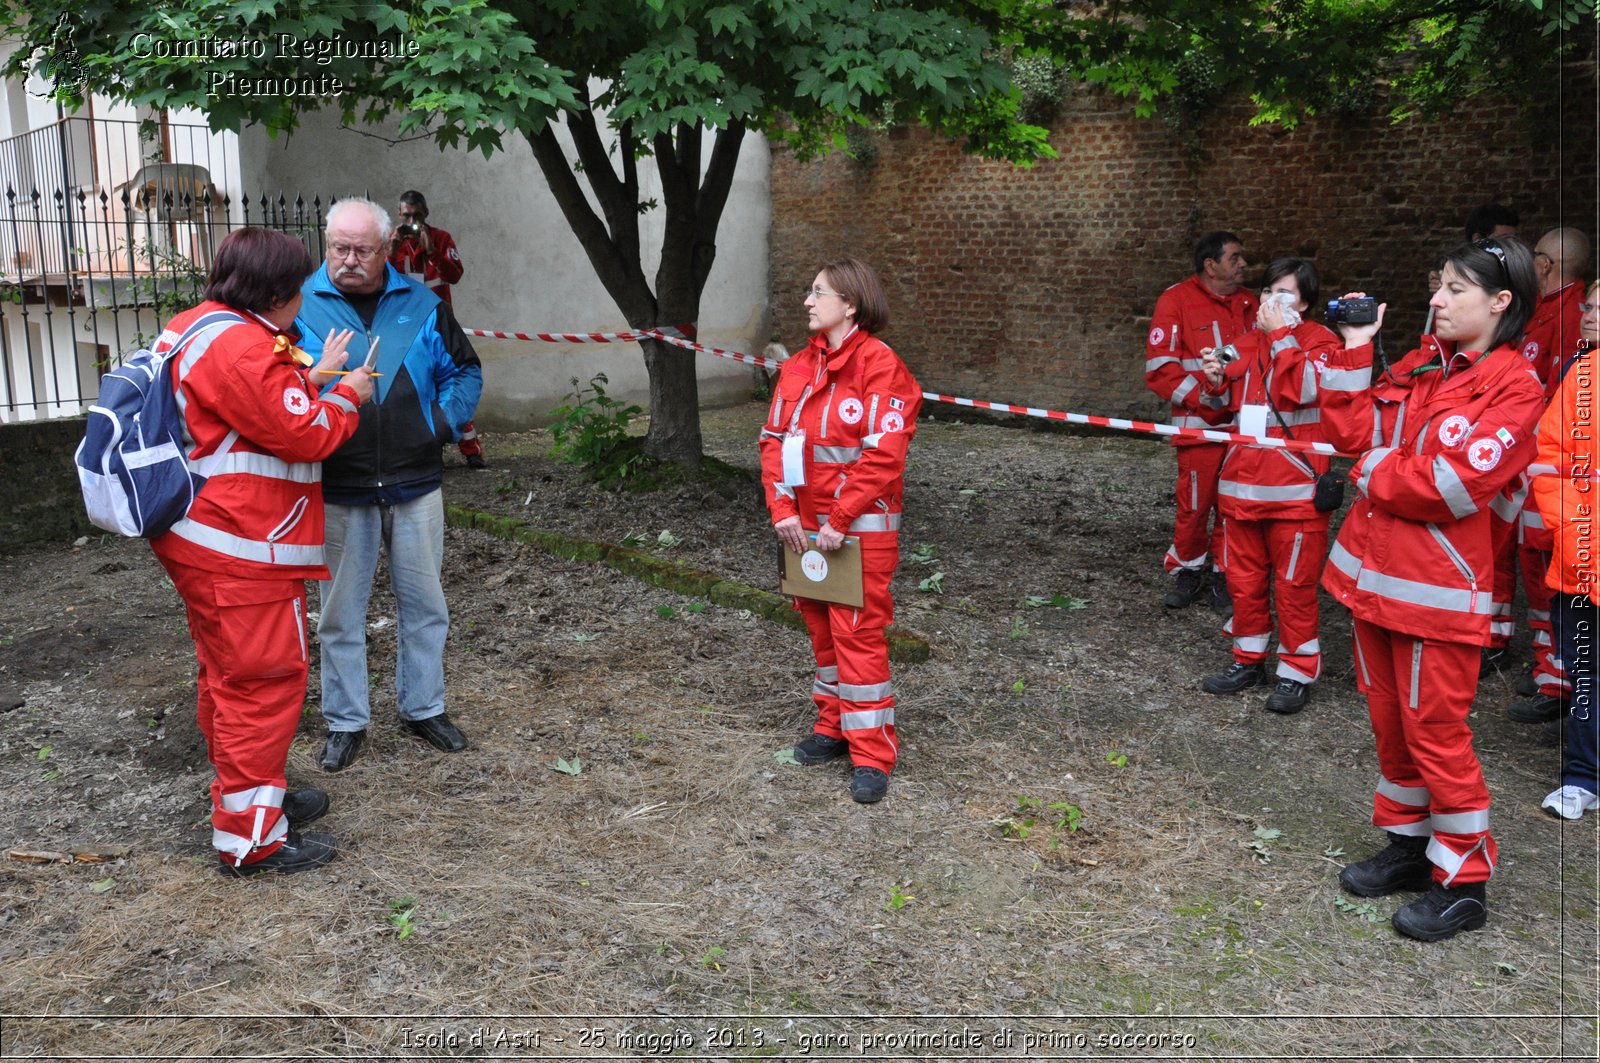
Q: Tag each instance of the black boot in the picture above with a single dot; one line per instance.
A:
(1221, 600)
(1443, 912)
(1404, 865)
(1186, 587)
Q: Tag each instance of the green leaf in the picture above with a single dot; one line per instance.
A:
(102, 886)
(1268, 834)
(786, 756)
(567, 767)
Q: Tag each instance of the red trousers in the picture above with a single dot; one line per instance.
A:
(1430, 783)
(1197, 534)
(1288, 554)
(250, 639)
(1548, 671)
(852, 691)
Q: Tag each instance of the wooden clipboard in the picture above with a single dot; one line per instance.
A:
(831, 577)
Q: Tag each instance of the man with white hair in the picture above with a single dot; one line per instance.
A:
(381, 490)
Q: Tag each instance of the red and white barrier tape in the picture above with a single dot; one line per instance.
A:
(1211, 435)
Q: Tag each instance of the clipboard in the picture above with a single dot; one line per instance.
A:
(831, 577)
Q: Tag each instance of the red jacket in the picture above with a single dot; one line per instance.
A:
(1188, 319)
(1565, 484)
(1414, 554)
(1552, 332)
(858, 409)
(1282, 370)
(436, 271)
(260, 513)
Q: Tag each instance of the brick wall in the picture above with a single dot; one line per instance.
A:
(39, 497)
(1036, 285)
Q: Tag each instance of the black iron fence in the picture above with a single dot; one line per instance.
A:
(107, 229)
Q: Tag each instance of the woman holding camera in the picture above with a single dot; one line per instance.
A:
(833, 460)
(1273, 528)
(1440, 433)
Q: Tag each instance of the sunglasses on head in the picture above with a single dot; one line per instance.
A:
(1493, 247)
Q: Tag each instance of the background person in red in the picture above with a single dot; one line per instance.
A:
(242, 554)
(1274, 537)
(428, 255)
(1565, 491)
(1440, 434)
(1209, 309)
(833, 459)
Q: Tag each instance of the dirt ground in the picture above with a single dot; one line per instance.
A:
(1081, 856)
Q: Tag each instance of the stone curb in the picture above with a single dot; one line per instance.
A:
(904, 647)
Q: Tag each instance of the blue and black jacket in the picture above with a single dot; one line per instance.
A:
(427, 391)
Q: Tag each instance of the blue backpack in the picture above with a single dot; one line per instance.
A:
(136, 477)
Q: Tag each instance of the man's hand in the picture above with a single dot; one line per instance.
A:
(829, 539)
(791, 534)
(1210, 366)
(359, 380)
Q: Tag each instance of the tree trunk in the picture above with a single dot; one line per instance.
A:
(693, 210)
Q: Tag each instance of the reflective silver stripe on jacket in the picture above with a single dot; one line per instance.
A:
(1451, 489)
(1285, 344)
(1185, 420)
(1181, 392)
(1313, 646)
(269, 467)
(1507, 504)
(1294, 554)
(1409, 591)
(1531, 518)
(1296, 418)
(349, 407)
(827, 681)
(1414, 796)
(262, 551)
(271, 796)
(835, 455)
(1347, 380)
(1373, 459)
(866, 691)
(1155, 362)
(1538, 469)
(866, 720)
(873, 522)
(1261, 493)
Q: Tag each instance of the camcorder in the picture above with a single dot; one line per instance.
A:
(1363, 311)
(410, 228)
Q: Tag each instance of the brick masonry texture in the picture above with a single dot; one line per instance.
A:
(1036, 286)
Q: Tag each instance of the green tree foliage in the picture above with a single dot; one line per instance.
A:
(678, 82)
(1296, 58)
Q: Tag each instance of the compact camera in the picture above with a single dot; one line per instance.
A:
(409, 229)
(1363, 311)
(1226, 353)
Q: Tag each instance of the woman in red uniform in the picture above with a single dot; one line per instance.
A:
(241, 555)
(1272, 531)
(833, 458)
(1440, 434)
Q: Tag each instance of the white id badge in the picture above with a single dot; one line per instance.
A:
(1253, 420)
(794, 460)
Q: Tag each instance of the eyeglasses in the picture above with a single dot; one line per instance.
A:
(818, 293)
(1498, 252)
(365, 254)
(1588, 308)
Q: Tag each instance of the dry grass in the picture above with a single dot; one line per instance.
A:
(684, 872)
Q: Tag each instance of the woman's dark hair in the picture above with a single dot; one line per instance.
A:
(257, 269)
(854, 280)
(1497, 265)
(1305, 277)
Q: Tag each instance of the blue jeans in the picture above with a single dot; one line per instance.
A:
(1577, 624)
(413, 534)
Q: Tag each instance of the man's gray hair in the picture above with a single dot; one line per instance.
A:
(377, 213)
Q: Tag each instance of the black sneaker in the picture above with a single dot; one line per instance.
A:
(819, 749)
(1238, 677)
(1537, 710)
(1526, 686)
(476, 461)
(299, 852)
(1186, 587)
(1443, 912)
(1404, 865)
(304, 806)
(1289, 697)
(868, 786)
(1221, 600)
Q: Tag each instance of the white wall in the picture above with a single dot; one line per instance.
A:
(525, 271)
